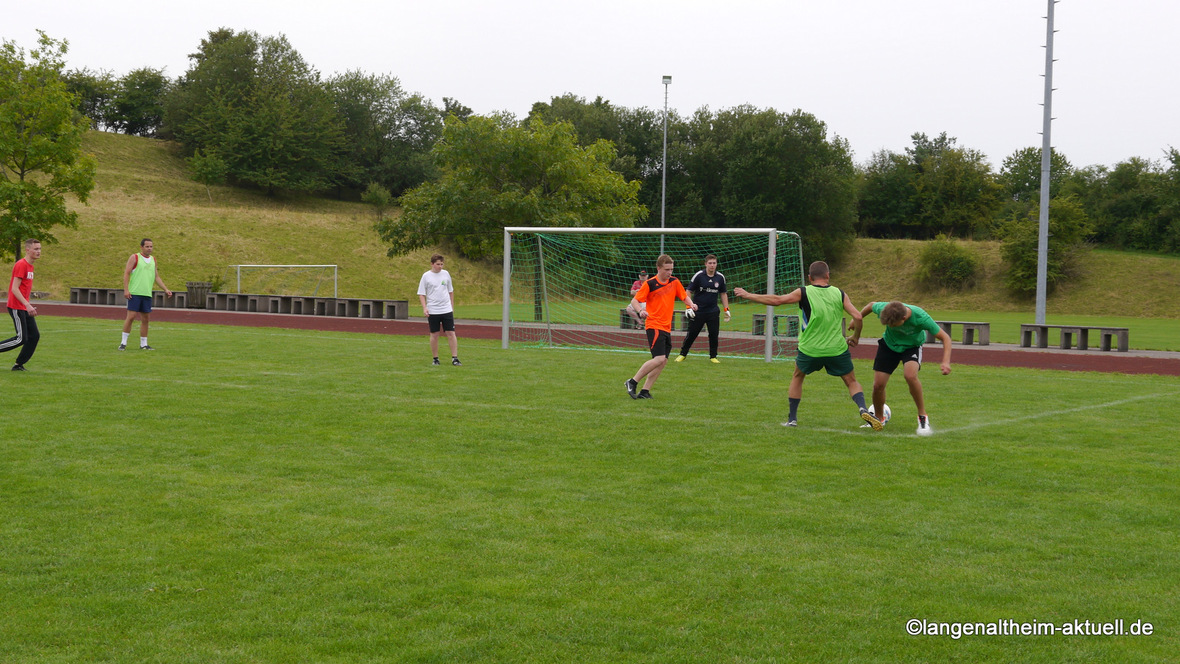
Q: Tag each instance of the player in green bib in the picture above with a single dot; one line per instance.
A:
(822, 344)
(139, 278)
(906, 326)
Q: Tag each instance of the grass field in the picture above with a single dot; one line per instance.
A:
(265, 495)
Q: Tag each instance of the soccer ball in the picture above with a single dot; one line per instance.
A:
(888, 413)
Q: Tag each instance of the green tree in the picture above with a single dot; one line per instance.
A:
(208, 169)
(1069, 228)
(495, 173)
(947, 189)
(1020, 174)
(95, 92)
(262, 108)
(750, 168)
(453, 107)
(389, 133)
(636, 134)
(41, 158)
(138, 105)
(379, 197)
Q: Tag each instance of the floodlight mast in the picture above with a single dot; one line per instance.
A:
(1046, 160)
(664, 168)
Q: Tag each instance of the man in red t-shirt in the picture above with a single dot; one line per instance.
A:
(22, 311)
(660, 293)
(636, 313)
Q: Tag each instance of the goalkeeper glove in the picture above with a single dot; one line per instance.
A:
(727, 314)
(690, 313)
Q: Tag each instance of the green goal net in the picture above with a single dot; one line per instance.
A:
(571, 286)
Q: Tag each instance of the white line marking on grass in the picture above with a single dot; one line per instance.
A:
(894, 432)
(1054, 413)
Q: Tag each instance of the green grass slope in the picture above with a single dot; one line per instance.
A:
(143, 190)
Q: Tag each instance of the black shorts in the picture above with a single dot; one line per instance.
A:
(835, 365)
(444, 321)
(660, 342)
(887, 359)
(140, 303)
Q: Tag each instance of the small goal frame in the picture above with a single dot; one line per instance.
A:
(335, 274)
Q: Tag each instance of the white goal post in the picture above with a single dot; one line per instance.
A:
(580, 271)
(335, 274)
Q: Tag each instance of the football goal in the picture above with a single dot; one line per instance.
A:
(285, 279)
(570, 287)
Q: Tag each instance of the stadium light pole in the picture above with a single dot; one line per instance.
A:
(664, 168)
(1046, 160)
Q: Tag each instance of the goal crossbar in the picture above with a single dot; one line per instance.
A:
(509, 231)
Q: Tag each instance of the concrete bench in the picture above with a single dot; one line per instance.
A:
(83, 295)
(394, 309)
(626, 322)
(229, 301)
(969, 330)
(159, 299)
(680, 321)
(1038, 335)
(785, 325)
(352, 307)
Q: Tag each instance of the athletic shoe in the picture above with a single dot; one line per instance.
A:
(146, 348)
(122, 346)
(885, 421)
(680, 358)
(455, 362)
(644, 394)
(714, 360)
(868, 417)
(631, 386)
(19, 367)
(924, 426)
(791, 423)
(436, 363)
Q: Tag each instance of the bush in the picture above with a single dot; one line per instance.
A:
(1068, 230)
(944, 263)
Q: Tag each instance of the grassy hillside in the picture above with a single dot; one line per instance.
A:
(143, 191)
(1113, 283)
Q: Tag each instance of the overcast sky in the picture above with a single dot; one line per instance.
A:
(875, 71)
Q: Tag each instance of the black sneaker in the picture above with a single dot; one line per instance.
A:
(631, 386)
(455, 362)
(146, 348)
(436, 363)
(644, 394)
(19, 367)
(122, 346)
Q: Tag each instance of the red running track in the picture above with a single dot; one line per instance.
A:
(1167, 364)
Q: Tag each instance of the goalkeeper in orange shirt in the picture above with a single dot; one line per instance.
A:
(660, 293)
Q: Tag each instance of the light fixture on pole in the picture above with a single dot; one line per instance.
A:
(664, 168)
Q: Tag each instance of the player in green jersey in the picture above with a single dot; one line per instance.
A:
(139, 277)
(822, 344)
(906, 326)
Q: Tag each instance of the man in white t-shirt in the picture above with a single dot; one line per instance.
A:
(437, 294)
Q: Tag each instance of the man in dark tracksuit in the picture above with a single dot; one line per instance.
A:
(707, 286)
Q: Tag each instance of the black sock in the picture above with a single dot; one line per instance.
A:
(859, 398)
(794, 408)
